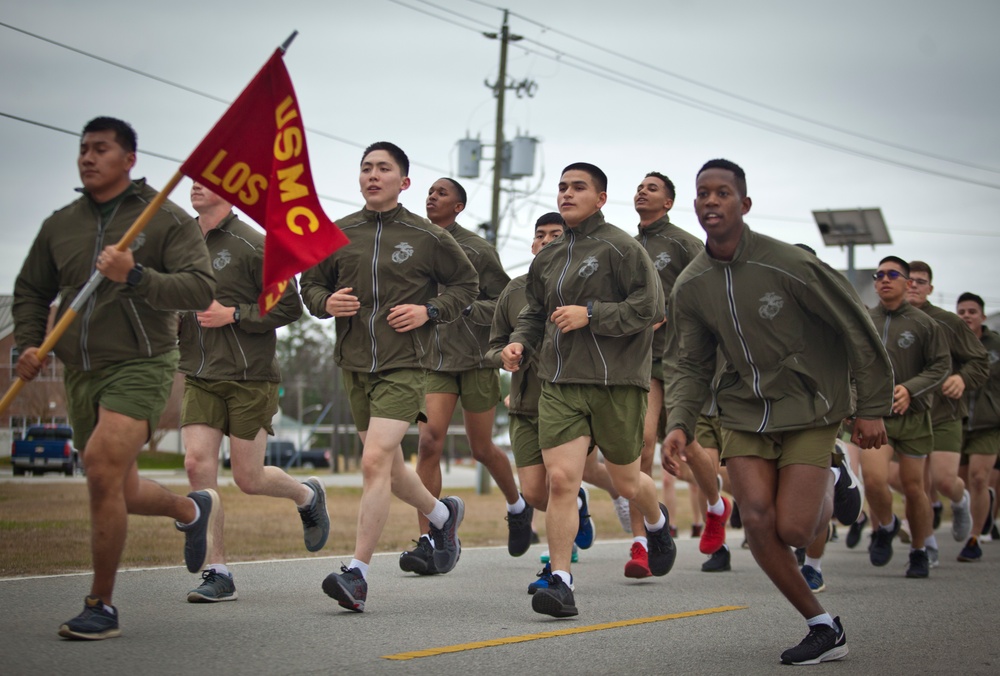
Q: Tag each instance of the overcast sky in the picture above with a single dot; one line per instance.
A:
(825, 105)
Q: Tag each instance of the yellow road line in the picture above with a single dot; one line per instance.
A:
(476, 645)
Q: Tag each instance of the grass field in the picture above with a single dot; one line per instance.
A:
(45, 527)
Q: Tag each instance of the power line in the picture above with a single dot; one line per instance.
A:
(745, 99)
(140, 151)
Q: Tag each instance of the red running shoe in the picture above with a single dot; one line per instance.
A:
(638, 566)
(714, 535)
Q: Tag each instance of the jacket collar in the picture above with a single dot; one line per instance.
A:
(589, 224)
(657, 226)
(390, 214)
(747, 239)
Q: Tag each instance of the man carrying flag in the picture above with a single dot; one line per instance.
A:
(121, 353)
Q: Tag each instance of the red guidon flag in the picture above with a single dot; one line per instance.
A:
(255, 157)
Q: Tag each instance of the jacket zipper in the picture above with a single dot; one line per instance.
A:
(570, 240)
(375, 303)
(731, 299)
(92, 301)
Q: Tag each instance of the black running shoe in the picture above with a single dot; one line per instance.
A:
(938, 508)
(735, 520)
(556, 599)
(920, 565)
(198, 535)
(661, 547)
(971, 552)
(718, 562)
(847, 496)
(420, 559)
(800, 556)
(880, 551)
(988, 524)
(519, 531)
(823, 643)
(854, 532)
(447, 547)
(96, 622)
(315, 518)
(348, 588)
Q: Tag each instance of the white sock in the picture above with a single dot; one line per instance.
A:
(659, 525)
(197, 515)
(642, 541)
(963, 503)
(110, 609)
(566, 577)
(438, 515)
(836, 474)
(360, 565)
(931, 541)
(814, 563)
(892, 524)
(517, 507)
(219, 568)
(821, 619)
(309, 500)
(718, 509)
(579, 503)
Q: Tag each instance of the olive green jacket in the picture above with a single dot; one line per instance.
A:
(525, 387)
(118, 322)
(393, 258)
(792, 332)
(984, 402)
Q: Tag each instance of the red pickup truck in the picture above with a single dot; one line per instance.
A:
(45, 448)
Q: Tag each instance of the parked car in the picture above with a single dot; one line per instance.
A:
(282, 454)
(45, 448)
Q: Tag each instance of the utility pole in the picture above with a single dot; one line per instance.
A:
(499, 88)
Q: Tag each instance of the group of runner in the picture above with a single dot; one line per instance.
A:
(743, 350)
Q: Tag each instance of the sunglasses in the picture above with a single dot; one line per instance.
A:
(891, 274)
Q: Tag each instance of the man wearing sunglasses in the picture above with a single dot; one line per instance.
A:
(920, 363)
(970, 369)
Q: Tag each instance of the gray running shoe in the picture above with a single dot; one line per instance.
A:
(94, 623)
(348, 588)
(214, 587)
(624, 512)
(420, 559)
(315, 518)
(822, 644)
(447, 547)
(961, 519)
(198, 536)
(933, 556)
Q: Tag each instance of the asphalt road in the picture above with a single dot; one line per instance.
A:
(284, 624)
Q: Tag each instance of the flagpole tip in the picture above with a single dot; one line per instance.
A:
(287, 43)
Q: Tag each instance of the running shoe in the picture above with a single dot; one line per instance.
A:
(920, 566)
(735, 520)
(198, 535)
(420, 559)
(933, 556)
(661, 547)
(574, 558)
(814, 579)
(519, 531)
(938, 509)
(95, 623)
(348, 588)
(624, 513)
(854, 532)
(585, 533)
(986, 533)
(823, 643)
(447, 547)
(556, 599)
(315, 518)
(696, 530)
(214, 587)
(971, 552)
(961, 518)
(638, 564)
(880, 552)
(714, 535)
(847, 495)
(718, 562)
(543, 580)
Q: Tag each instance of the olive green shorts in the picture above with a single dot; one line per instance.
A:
(612, 417)
(137, 388)
(240, 408)
(911, 435)
(948, 436)
(812, 446)
(981, 442)
(478, 389)
(397, 394)
(524, 440)
(708, 432)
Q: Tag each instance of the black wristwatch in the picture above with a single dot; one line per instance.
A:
(590, 309)
(134, 275)
(236, 315)
(432, 312)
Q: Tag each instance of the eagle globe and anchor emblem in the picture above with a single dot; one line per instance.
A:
(403, 252)
(772, 304)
